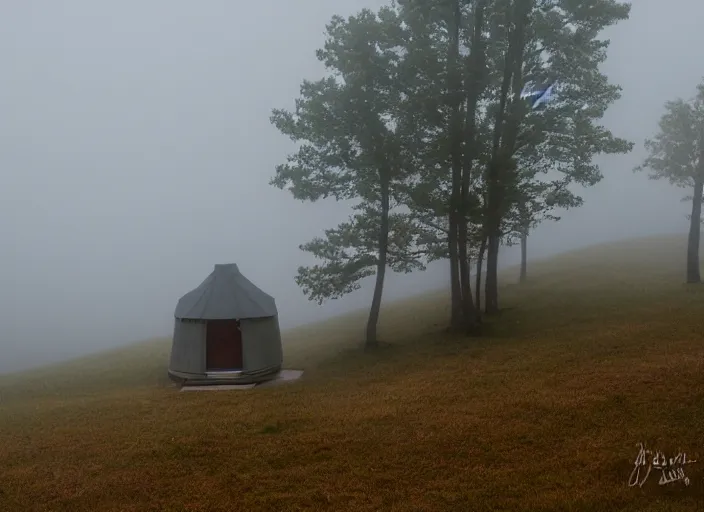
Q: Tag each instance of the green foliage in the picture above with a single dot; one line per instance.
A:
(342, 121)
(537, 201)
(379, 124)
(556, 146)
(350, 253)
(354, 145)
(428, 194)
(674, 152)
(562, 140)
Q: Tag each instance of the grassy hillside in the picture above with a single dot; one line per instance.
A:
(602, 349)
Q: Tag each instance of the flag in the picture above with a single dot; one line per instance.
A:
(538, 96)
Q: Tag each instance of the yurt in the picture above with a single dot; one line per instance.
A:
(226, 331)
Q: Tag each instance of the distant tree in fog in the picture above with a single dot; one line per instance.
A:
(676, 154)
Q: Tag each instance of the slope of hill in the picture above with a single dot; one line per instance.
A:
(603, 348)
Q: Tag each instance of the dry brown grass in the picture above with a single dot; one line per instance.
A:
(540, 415)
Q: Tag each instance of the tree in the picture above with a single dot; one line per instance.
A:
(475, 82)
(501, 171)
(354, 147)
(464, 91)
(455, 132)
(537, 42)
(536, 202)
(447, 88)
(420, 123)
(676, 154)
(524, 154)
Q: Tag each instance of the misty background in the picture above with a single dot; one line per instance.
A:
(136, 150)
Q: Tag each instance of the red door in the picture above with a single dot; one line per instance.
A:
(223, 342)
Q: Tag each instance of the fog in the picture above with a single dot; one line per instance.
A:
(136, 150)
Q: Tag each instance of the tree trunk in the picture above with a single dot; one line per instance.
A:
(501, 165)
(491, 291)
(455, 287)
(492, 220)
(524, 255)
(454, 89)
(693, 275)
(474, 79)
(371, 340)
(478, 277)
(469, 315)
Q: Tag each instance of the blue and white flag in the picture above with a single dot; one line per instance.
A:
(539, 96)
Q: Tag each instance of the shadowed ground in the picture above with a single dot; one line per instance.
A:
(603, 348)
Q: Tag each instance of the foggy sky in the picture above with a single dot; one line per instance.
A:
(136, 149)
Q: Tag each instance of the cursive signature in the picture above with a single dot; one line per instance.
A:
(671, 469)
